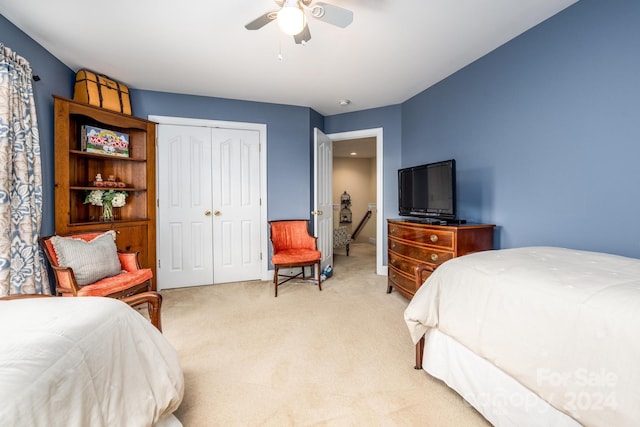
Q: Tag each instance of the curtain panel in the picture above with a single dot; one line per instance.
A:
(22, 264)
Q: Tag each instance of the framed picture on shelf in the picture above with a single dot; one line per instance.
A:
(104, 141)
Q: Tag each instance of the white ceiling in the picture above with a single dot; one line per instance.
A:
(393, 50)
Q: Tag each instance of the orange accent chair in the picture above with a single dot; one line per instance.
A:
(131, 278)
(293, 246)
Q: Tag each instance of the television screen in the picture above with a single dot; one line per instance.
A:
(428, 190)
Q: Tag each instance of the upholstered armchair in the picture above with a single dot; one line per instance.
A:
(293, 247)
(89, 264)
(341, 237)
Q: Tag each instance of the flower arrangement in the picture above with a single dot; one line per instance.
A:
(108, 199)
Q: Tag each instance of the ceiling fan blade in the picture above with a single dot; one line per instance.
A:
(303, 36)
(332, 14)
(261, 21)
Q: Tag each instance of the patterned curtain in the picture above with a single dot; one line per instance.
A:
(22, 265)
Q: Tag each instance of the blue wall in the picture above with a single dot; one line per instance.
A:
(545, 131)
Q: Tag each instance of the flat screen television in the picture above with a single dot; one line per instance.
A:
(428, 190)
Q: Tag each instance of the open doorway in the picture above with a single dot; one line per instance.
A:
(357, 193)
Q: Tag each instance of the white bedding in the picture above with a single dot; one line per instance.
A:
(563, 323)
(87, 361)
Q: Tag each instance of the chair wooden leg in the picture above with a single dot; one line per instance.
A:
(276, 275)
(275, 280)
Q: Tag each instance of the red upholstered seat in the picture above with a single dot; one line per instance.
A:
(293, 256)
(129, 282)
(293, 246)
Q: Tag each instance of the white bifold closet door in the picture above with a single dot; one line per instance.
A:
(209, 215)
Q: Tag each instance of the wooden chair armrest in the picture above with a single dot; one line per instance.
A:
(154, 304)
(315, 242)
(420, 270)
(65, 280)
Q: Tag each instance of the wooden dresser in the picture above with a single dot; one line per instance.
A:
(411, 243)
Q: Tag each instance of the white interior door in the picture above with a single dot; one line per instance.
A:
(184, 213)
(209, 214)
(322, 195)
(236, 203)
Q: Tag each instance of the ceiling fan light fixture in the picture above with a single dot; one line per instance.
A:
(291, 18)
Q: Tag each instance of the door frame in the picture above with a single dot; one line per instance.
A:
(261, 128)
(376, 133)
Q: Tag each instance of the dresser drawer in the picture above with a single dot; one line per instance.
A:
(403, 283)
(423, 235)
(419, 253)
(400, 263)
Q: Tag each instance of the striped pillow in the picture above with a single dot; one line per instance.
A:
(90, 261)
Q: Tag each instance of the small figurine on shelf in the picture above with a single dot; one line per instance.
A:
(98, 182)
(111, 181)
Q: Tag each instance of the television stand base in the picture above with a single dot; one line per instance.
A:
(436, 221)
(456, 221)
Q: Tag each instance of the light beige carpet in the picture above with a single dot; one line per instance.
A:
(340, 357)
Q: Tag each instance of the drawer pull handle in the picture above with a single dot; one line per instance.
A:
(433, 238)
(393, 245)
(434, 257)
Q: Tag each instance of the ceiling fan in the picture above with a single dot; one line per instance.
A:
(292, 20)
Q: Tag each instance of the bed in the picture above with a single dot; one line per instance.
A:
(536, 336)
(88, 361)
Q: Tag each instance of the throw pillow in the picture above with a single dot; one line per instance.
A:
(90, 260)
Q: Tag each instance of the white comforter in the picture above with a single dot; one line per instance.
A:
(84, 362)
(564, 323)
